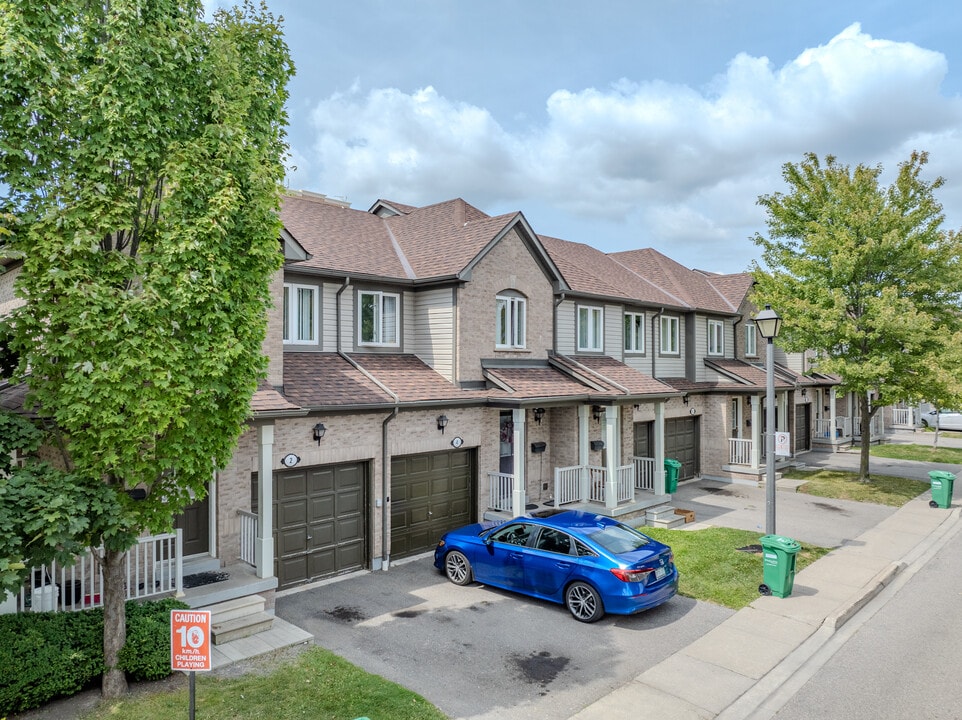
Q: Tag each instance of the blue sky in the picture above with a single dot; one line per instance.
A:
(615, 123)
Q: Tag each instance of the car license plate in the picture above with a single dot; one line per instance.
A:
(660, 572)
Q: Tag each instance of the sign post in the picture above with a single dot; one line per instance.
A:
(190, 644)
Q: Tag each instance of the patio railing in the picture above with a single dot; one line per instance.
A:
(740, 451)
(589, 483)
(644, 473)
(501, 490)
(248, 536)
(154, 567)
(903, 416)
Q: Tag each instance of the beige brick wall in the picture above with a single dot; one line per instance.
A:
(508, 266)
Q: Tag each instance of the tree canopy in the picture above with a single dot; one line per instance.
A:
(141, 154)
(865, 276)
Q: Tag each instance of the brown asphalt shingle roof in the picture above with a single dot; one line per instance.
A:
(411, 379)
(317, 379)
(537, 382)
(624, 376)
(266, 399)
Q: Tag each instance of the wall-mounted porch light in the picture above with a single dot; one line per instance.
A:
(538, 414)
(684, 398)
(442, 423)
(319, 431)
(596, 412)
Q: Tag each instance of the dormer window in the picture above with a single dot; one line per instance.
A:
(378, 318)
(510, 322)
(300, 314)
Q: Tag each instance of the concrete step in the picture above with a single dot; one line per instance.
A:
(660, 512)
(241, 627)
(236, 608)
(675, 521)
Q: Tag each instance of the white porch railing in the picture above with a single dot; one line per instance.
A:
(903, 416)
(501, 489)
(740, 451)
(568, 484)
(644, 473)
(248, 536)
(588, 483)
(626, 483)
(876, 426)
(841, 427)
(154, 567)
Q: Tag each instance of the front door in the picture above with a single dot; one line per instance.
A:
(506, 443)
(195, 522)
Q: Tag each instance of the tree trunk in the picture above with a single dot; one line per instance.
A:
(115, 622)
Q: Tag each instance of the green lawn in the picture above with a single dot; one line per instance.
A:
(922, 453)
(882, 490)
(316, 684)
(713, 568)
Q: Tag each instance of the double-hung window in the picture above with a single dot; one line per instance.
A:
(590, 328)
(751, 341)
(378, 322)
(668, 337)
(510, 322)
(300, 313)
(634, 332)
(716, 337)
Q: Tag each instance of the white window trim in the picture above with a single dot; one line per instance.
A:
(673, 336)
(716, 338)
(378, 330)
(596, 328)
(516, 332)
(751, 339)
(291, 291)
(638, 344)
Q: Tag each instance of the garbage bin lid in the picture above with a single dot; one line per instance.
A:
(940, 475)
(781, 542)
(673, 463)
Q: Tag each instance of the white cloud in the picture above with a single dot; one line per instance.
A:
(689, 162)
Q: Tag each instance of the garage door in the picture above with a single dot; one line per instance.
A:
(320, 524)
(430, 494)
(681, 443)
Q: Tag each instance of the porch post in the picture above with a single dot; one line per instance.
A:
(583, 418)
(611, 464)
(518, 494)
(659, 470)
(831, 414)
(757, 435)
(264, 543)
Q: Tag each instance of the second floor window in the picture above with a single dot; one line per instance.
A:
(716, 337)
(751, 342)
(378, 318)
(634, 332)
(670, 344)
(509, 332)
(590, 328)
(300, 314)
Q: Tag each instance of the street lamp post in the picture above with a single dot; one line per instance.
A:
(768, 323)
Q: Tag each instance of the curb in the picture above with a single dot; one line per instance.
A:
(864, 595)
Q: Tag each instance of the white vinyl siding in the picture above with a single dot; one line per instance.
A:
(300, 314)
(716, 338)
(565, 337)
(433, 322)
(590, 328)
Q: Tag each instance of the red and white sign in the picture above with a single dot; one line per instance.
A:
(783, 444)
(190, 640)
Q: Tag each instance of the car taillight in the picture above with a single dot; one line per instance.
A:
(638, 575)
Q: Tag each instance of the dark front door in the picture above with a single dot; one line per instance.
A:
(430, 494)
(803, 424)
(681, 444)
(195, 522)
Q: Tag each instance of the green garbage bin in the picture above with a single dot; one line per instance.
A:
(942, 483)
(778, 565)
(672, 469)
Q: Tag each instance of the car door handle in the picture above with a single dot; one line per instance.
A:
(563, 565)
(515, 555)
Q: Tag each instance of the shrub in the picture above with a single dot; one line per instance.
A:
(54, 654)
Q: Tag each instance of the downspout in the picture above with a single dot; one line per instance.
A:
(385, 482)
(554, 320)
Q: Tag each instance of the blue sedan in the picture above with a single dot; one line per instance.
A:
(590, 563)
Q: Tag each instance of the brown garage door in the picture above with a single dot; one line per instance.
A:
(430, 494)
(681, 443)
(320, 524)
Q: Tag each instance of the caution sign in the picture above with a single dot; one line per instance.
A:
(190, 640)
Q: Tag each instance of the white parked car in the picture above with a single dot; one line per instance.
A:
(943, 420)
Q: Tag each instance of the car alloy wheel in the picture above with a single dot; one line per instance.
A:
(458, 568)
(583, 602)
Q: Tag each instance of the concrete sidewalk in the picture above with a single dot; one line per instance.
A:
(731, 671)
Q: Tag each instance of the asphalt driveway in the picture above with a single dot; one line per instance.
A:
(476, 652)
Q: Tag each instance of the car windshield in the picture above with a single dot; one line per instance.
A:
(618, 539)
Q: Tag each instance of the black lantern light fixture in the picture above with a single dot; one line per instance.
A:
(538, 414)
(442, 423)
(319, 431)
(596, 412)
(684, 398)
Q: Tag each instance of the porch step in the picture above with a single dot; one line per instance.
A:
(241, 627)
(238, 618)
(659, 513)
(675, 521)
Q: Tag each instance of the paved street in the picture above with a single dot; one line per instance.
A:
(479, 653)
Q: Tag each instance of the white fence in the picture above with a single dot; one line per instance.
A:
(903, 416)
(588, 483)
(248, 536)
(644, 473)
(154, 567)
(501, 490)
(740, 451)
